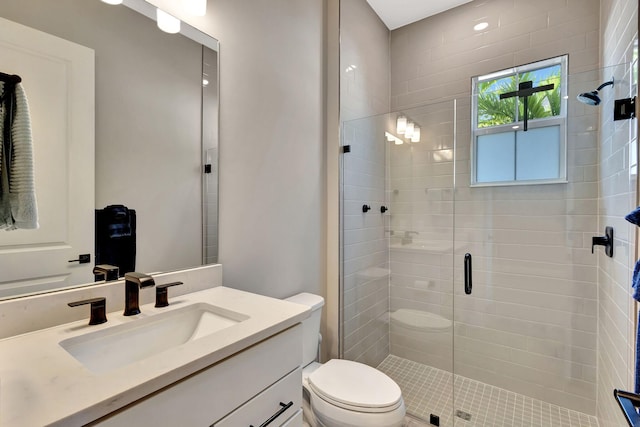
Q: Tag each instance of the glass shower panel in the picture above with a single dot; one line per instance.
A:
(365, 274)
(397, 240)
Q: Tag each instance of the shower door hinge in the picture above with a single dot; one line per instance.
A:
(624, 109)
(346, 148)
(207, 168)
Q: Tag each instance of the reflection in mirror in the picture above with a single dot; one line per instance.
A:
(152, 126)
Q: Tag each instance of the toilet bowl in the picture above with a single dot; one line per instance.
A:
(422, 336)
(343, 393)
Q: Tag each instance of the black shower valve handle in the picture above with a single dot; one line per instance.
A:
(366, 208)
(606, 241)
(383, 209)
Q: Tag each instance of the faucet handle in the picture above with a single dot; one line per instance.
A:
(98, 309)
(162, 296)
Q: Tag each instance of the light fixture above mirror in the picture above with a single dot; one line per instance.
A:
(166, 22)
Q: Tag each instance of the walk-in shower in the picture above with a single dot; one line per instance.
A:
(524, 343)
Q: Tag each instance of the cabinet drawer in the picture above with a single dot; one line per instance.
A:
(207, 396)
(279, 402)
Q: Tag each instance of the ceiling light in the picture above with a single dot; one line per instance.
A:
(481, 26)
(196, 7)
(416, 134)
(112, 1)
(401, 125)
(167, 23)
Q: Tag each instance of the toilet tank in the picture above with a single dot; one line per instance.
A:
(310, 326)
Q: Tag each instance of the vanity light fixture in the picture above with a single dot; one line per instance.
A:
(408, 133)
(114, 2)
(167, 23)
(416, 134)
(196, 7)
(401, 125)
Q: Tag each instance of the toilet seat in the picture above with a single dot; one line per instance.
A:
(355, 386)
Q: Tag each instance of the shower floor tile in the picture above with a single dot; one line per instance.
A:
(427, 390)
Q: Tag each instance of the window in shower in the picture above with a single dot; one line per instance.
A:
(503, 153)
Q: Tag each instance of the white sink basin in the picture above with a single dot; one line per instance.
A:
(118, 346)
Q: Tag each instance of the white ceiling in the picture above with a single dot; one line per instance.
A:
(398, 13)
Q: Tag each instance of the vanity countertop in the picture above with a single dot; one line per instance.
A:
(41, 384)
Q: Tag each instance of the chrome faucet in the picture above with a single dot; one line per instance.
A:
(110, 272)
(133, 282)
(408, 237)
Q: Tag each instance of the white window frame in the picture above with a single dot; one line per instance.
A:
(560, 120)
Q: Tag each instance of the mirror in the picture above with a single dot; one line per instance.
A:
(156, 125)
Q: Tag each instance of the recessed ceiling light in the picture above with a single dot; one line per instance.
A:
(481, 26)
(112, 1)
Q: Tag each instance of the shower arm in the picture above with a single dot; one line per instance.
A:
(605, 84)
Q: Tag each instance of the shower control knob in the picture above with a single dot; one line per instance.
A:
(383, 209)
(366, 208)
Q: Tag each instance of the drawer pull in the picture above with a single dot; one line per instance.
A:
(283, 409)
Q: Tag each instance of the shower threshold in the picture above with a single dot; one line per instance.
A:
(427, 390)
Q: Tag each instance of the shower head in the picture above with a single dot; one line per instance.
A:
(592, 98)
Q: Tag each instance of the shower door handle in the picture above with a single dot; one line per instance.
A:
(468, 284)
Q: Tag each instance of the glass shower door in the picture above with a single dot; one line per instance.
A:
(420, 225)
(397, 260)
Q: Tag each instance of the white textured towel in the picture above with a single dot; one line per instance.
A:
(18, 207)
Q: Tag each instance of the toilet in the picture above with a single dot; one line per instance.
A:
(343, 393)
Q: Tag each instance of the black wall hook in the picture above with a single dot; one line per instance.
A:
(606, 241)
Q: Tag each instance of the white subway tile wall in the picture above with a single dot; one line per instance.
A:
(365, 258)
(617, 189)
(364, 87)
(434, 58)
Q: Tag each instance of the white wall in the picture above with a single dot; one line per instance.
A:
(616, 320)
(272, 183)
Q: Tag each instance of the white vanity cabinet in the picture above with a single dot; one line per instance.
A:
(249, 388)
